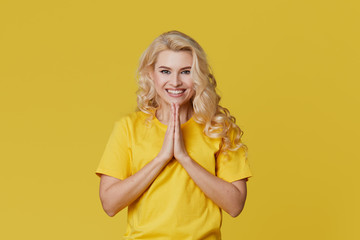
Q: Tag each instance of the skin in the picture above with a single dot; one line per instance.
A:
(171, 72)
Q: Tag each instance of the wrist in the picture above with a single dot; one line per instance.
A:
(184, 159)
(162, 159)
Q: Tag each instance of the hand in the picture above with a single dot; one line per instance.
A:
(167, 151)
(180, 152)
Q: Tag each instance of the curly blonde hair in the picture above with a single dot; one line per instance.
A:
(217, 120)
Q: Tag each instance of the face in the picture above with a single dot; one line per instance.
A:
(172, 78)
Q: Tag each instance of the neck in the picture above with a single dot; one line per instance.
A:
(164, 110)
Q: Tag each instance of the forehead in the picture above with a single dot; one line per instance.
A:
(174, 59)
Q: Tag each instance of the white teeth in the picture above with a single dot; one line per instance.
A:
(176, 91)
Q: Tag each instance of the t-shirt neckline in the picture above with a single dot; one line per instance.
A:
(157, 121)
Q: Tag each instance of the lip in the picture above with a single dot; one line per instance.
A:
(175, 89)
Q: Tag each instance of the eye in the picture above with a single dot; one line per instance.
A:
(165, 71)
(185, 72)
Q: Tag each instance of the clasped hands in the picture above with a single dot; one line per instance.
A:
(174, 145)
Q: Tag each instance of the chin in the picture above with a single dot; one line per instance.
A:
(184, 100)
(179, 102)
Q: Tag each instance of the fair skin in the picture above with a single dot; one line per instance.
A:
(173, 83)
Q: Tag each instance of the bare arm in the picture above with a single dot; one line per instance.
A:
(228, 196)
(116, 194)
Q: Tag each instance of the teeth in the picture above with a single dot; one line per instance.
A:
(175, 91)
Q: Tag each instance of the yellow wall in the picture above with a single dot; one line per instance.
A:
(288, 71)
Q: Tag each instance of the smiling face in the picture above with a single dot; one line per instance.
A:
(172, 78)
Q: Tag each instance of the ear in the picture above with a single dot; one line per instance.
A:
(151, 73)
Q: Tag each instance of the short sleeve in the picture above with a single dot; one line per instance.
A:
(233, 166)
(116, 159)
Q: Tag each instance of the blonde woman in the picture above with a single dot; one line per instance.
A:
(178, 161)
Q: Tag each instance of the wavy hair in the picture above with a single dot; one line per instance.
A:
(217, 120)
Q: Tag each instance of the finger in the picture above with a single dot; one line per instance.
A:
(176, 117)
(174, 113)
(177, 122)
(171, 114)
(168, 129)
(172, 125)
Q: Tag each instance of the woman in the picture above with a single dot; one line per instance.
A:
(178, 160)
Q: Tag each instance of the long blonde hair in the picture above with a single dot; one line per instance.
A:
(217, 120)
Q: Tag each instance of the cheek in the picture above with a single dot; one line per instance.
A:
(187, 79)
(191, 84)
(159, 80)
(191, 89)
(192, 93)
(158, 87)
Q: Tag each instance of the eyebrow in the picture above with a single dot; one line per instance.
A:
(170, 68)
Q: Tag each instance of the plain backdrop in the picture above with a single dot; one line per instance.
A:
(287, 70)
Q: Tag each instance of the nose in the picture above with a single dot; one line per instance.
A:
(175, 80)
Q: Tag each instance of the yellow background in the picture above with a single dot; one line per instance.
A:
(287, 70)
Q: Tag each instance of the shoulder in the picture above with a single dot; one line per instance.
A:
(132, 119)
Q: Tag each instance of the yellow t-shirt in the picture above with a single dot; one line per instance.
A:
(173, 207)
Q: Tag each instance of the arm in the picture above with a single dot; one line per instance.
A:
(228, 196)
(116, 194)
